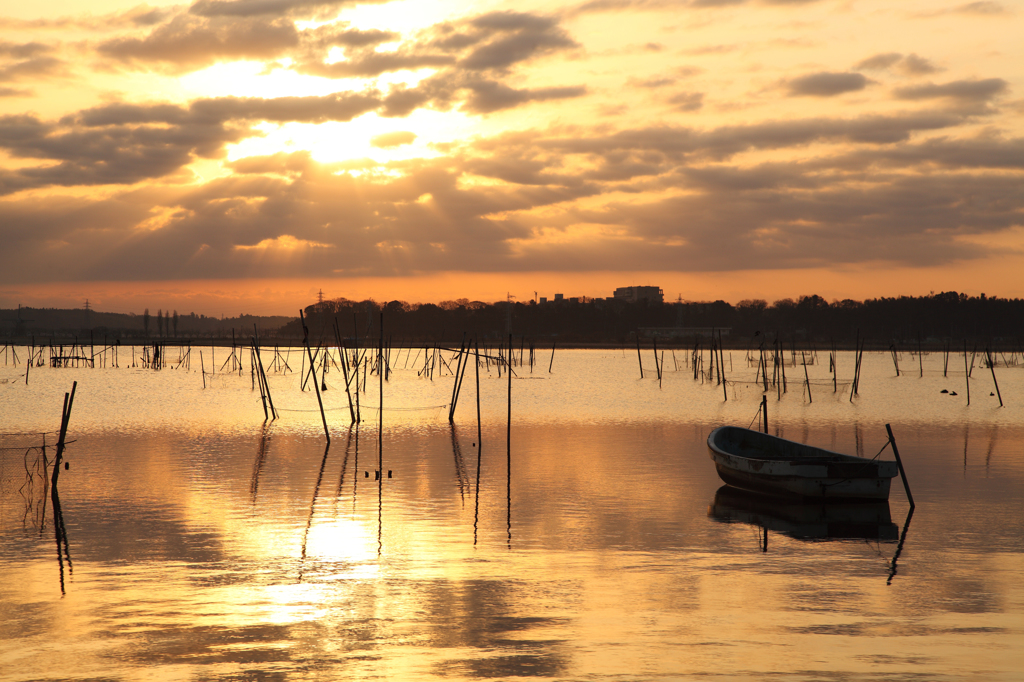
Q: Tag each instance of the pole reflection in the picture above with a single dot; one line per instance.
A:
(257, 466)
(312, 508)
(899, 547)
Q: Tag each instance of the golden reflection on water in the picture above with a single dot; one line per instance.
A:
(207, 544)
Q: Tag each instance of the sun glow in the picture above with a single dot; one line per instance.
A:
(336, 141)
(285, 242)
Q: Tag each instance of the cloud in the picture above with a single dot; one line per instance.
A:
(109, 155)
(126, 144)
(662, 5)
(14, 92)
(626, 194)
(370, 63)
(23, 50)
(711, 49)
(471, 56)
(656, 82)
(34, 68)
(911, 64)
(135, 17)
(391, 140)
(123, 143)
(277, 8)
(188, 42)
(28, 61)
(506, 38)
(288, 215)
(280, 163)
(825, 84)
(969, 91)
(985, 7)
(487, 96)
(687, 101)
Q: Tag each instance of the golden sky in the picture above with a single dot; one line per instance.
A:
(234, 156)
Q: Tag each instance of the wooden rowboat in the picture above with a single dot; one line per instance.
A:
(775, 466)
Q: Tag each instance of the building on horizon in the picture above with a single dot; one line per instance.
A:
(635, 294)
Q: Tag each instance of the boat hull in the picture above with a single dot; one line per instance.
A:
(774, 466)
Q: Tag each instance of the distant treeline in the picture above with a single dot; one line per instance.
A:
(936, 319)
(947, 316)
(63, 322)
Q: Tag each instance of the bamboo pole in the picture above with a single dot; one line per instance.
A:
(458, 390)
(263, 394)
(380, 420)
(455, 384)
(992, 366)
(508, 451)
(312, 366)
(262, 372)
(65, 417)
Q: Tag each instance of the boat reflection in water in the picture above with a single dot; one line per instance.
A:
(803, 520)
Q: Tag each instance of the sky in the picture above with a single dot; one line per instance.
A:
(230, 156)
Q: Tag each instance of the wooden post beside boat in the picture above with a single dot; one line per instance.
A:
(899, 463)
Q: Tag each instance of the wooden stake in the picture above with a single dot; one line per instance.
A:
(967, 374)
(344, 369)
(479, 440)
(807, 378)
(639, 359)
(899, 463)
(721, 364)
(657, 367)
(992, 366)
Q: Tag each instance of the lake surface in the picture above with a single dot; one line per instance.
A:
(202, 543)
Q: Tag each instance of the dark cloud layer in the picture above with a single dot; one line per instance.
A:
(288, 215)
(472, 57)
(825, 84)
(216, 31)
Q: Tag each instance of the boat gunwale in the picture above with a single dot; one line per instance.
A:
(827, 456)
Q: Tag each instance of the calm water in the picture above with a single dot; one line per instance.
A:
(202, 543)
